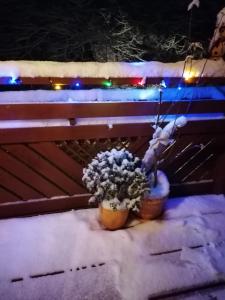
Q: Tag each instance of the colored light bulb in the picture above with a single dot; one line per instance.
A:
(107, 83)
(57, 86)
(14, 80)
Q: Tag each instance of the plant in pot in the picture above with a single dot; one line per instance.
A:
(117, 182)
(152, 205)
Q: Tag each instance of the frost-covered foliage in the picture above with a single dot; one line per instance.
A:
(162, 137)
(116, 177)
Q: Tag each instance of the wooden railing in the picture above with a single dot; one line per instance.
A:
(26, 82)
(41, 167)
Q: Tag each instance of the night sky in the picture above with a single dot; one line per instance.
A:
(84, 30)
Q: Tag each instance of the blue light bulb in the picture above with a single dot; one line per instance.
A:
(13, 80)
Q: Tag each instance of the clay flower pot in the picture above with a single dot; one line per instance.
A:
(151, 208)
(113, 219)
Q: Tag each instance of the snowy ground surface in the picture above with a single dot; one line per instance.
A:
(69, 256)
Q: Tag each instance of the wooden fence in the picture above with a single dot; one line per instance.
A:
(41, 167)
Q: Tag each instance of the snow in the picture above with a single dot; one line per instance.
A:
(123, 264)
(162, 188)
(115, 95)
(33, 69)
(34, 123)
(193, 3)
(25, 68)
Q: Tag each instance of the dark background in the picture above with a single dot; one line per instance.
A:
(104, 30)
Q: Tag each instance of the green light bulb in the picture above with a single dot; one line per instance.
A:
(107, 83)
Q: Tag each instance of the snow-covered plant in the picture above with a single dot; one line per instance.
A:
(116, 178)
(161, 138)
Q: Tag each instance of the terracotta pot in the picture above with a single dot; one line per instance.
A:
(113, 219)
(151, 208)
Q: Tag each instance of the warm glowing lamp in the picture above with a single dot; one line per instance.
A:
(188, 76)
(57, 86)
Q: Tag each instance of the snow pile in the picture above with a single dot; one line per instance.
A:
(192, 205)
(162, 188)
(17, 69)
(125, 264)
(115, 95)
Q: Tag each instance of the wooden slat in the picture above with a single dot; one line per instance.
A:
(205, 172)
(143, 145)
(39, 183)
(190, 159)
(17, 187)
(218, 174)
(112, 109)
(6, 196)
(51, 152)
(204, 127)
(176, 153)
(191, 188)
(170, 81)
(139, 144)
(21, 135)
(65, 185)
(44, 206)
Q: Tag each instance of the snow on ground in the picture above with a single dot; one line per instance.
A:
(110, 69)
(149, 259)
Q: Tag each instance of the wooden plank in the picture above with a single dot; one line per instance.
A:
(106, 109)
(21, 170)
(139, 144)
(6, 196)
(21, 135)
(177, 152)
(44, 206)
(204, 127)
(64, 184)
(186, 163)
(14, 185)
(170, 81)
(59, 133)
(218, 174)
(60, 159)
(191, 188)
